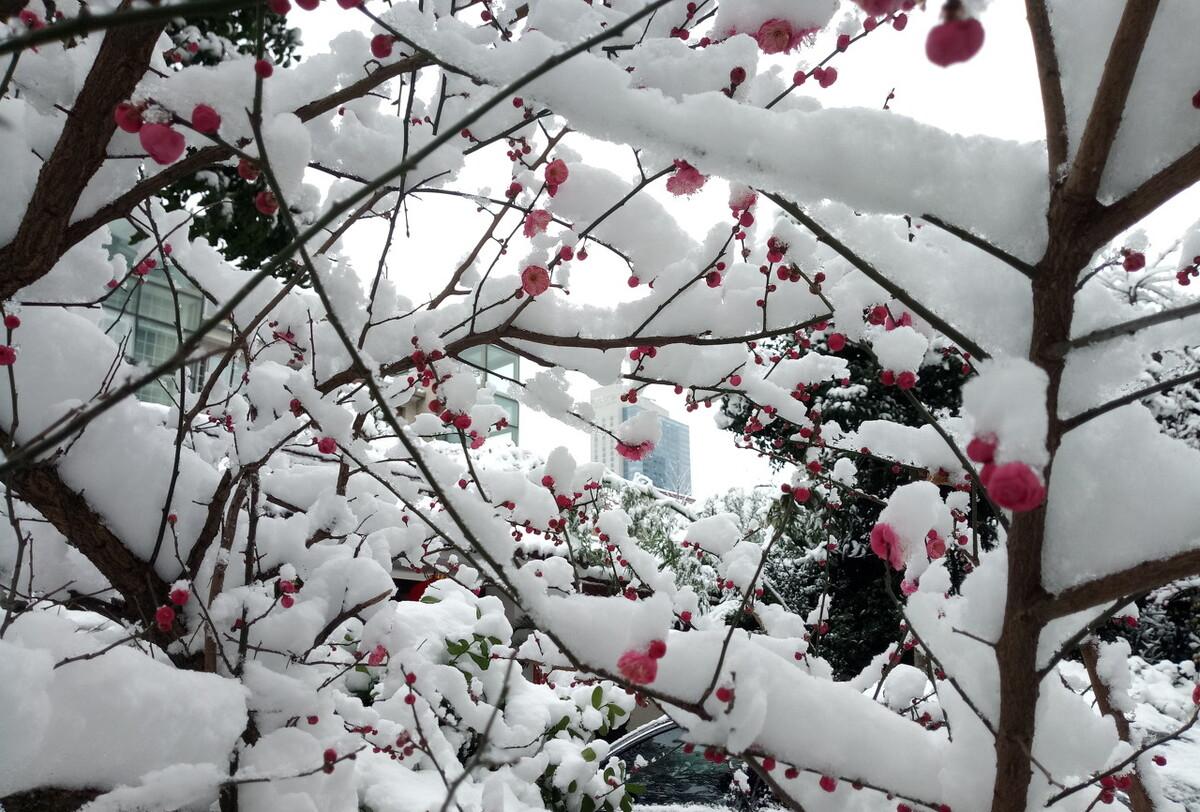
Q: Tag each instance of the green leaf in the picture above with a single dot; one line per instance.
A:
(627, 804)
(481, 661)
(573, 786)
(588, 805)
(559, 727)
(635, 789)
(616, 710)
(597, 695)
(430, 599)
(588, 754)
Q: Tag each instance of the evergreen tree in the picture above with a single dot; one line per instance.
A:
(824, 560)
(222, 202)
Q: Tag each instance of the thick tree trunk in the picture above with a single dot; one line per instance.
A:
(1068, 251)
(81, 149)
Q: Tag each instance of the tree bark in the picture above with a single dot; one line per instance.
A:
(81, 149)
(1091, 659)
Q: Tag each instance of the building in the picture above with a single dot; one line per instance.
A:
(669, 466)
(142, 314)
(503, 367)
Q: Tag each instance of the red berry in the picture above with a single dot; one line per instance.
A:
(828, 783)
(179, 596)
(287, 601)
(12, 321)
(327, 445)
(657, 649)
(724, 694)
(263, 69)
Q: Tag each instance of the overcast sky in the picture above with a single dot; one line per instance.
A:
(996, 93)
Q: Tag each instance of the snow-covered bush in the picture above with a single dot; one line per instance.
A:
(198, 598)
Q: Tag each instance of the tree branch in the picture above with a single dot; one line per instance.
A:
(1140, 578)
(875, 276)
(1104, 408)
(80, 151)
(981, 244)
(1054, 109)
(1169, 181)
(1130, 327)
(1105, 117)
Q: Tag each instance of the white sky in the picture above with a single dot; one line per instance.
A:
(996, 93)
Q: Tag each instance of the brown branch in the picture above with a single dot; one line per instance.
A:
(1138, 799)
(1139, 578)
(77, 156)
(345, 615)
(1116, 403)
(125, 203)
(982, 244)
(1054, 109)
(1127, 328)
(1169, 181)
(1107, 108)
(455, 348)
(872, 273)
(139, 585)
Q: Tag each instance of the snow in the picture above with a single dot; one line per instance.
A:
(508, 672)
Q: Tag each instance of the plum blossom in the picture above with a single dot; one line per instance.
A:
(535, 280)
(954, 41)
(1015, 486)
(878, 8)
(638, 666)
(205, 119)
(777, 36)
(886, 544)
(982, 448)
(686, 180)
(536, 222)
(635, 452)
(161, 143)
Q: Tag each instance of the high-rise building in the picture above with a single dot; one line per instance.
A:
(669, 465)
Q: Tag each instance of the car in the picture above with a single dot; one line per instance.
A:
(678, 781)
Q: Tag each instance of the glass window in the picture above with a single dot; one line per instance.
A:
(674, 777)
(146, 314)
